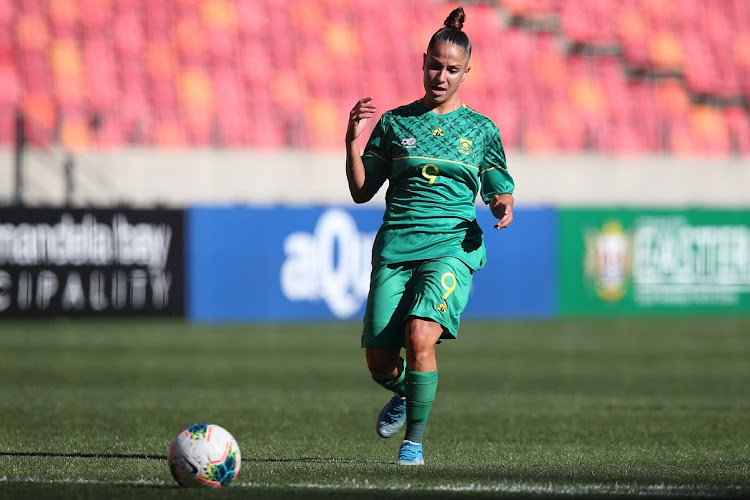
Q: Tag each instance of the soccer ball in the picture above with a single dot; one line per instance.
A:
(204, 455)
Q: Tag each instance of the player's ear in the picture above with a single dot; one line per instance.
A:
(424, 60)
(466, 72)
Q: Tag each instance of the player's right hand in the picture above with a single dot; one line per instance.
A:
(360, 113)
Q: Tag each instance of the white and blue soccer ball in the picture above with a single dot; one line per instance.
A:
(204, 455)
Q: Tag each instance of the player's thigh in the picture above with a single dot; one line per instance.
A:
(387, 303)
(441, 292)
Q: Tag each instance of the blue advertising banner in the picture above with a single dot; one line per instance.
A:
(292, 264)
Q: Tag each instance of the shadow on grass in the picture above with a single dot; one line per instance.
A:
(136, 456)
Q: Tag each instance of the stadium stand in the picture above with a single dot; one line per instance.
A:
(609, 76)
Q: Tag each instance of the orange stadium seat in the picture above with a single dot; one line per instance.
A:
(323, 124)
(197, 104)
(665, 51)
(41, 115)
(63, 17)
(67, 72)
(710, 130)
(75, 133)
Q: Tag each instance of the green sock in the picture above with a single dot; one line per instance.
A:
(420, 393)
(395, 384)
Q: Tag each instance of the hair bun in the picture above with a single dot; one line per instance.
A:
(455, 19)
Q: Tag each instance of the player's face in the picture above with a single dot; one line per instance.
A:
(445, 66)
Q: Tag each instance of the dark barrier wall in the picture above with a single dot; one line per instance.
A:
(91, 262)
(282, 264)
(645, 261)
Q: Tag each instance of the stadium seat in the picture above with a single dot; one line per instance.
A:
(539, 140)
(63, 17)
(190, 39)
(40, 111)
(75, 133)
(665, 52)
(158, 25)
(169, 134)
(7, 12)
(587, 99)
(67, 72)
(197, 105)
(323, 124)
(738, 124)
(32, 33)
(95, 17)
(7, 123)
(672, 101)
(160, 60)
(10, 86)
(633, 32)
(710, 130)
(219, 14)
(127, 34)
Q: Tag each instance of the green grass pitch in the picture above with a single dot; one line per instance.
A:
(567, 408)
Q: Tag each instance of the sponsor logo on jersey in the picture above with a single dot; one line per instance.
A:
(408, 142)
(464, 146)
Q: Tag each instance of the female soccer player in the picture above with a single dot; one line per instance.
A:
(437, 155)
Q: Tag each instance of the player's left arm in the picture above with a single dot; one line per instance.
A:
(497, 183)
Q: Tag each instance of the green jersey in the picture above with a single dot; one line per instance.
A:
(435, 166)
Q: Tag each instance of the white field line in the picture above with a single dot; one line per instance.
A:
(572, 489)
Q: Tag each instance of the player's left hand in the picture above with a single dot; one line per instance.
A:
(502, 208)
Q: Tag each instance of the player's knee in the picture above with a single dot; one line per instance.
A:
(422, 335)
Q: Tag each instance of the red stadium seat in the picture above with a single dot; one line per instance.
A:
(127, 33)
(169, 135)
(7, 12)
(10, 85)
(95, 17)
(738, 124)
(32, 33)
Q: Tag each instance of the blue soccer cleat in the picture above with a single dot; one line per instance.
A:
(410, 453)
(392, 417)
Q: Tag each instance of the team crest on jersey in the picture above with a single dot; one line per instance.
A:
(438, 132)
(465, 146)
(408, 142)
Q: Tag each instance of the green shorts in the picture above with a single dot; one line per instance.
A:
(436, 289)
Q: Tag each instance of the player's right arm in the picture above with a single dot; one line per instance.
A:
(355, 168)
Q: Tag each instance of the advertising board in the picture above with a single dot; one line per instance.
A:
(91, 262)
(287, 264)
(642, 261)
